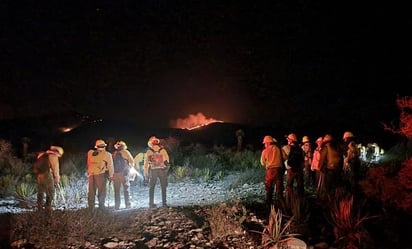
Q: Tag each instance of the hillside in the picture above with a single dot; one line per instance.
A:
(77, 132)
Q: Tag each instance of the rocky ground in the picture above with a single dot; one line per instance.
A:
(200, 215)
(181, 225)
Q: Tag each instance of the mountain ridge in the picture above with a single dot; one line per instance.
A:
(84, 129)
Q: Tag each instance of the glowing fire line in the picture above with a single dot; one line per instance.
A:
(193, 121)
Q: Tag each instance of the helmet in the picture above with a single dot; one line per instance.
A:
(153, 141)
(57, 149)
(347, 134)
(268, 139)
(120, 145)
(305, 139)
(327, 138)
(100, 144)
(292, 137)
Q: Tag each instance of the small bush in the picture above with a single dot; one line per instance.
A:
(347, 220)
(7, 185)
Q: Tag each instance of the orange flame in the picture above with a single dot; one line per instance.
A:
(193, 121)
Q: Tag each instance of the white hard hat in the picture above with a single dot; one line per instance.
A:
(120, 145)
(100, 144)
(153, 140)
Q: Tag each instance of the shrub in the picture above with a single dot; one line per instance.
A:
(392, 189)
(7, 185)
(10, 164)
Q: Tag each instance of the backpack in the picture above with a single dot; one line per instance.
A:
(295, 158)
(119, 163)
(156, 159)
(42, 164)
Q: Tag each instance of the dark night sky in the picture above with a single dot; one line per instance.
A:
(255, 62)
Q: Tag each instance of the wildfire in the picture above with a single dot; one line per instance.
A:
(193, 121)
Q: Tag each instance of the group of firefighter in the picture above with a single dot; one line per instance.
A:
(331, 165)
(103, 167)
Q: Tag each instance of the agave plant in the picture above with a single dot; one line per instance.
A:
(24, 193)
(276, 232)
(347, 221)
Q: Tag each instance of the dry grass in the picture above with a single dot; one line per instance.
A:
(226, 220)
(58, 228)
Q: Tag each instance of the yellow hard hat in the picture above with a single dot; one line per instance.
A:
(57, 149)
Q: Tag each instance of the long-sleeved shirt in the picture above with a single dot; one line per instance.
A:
(98, 161)
(54, 165)
(315, 160)
(271, 157)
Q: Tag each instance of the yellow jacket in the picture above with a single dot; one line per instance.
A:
(98, 161)
(271, 157)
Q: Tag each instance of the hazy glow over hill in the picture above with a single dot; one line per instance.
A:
(193, 121)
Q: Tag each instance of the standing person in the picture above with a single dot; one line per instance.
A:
(139, 165)
(271, 159)
(351, 161)
(99, 162)
(156, 165)
(315, 162)
(330, 164)
(47, 168)
(122, 162)
(294, 167)
(308, 155)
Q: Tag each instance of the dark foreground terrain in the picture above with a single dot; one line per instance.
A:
(224, 225)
